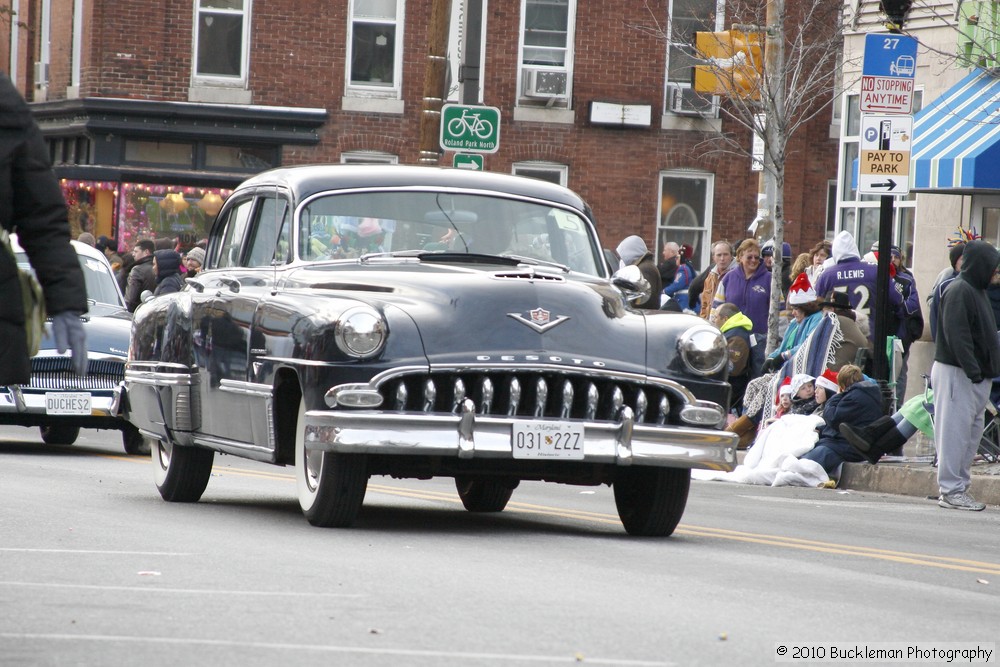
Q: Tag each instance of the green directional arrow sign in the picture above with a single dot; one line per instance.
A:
(470, 129)
(468, 161)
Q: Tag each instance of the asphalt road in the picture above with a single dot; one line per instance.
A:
(95, 569)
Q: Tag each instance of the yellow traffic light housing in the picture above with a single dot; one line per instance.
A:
(735, 63)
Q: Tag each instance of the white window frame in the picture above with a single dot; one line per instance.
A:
(219, 80)
(368, 157)
(370, 89)
(673, 88)
(561, 102)
(560, 171)
(677, 233)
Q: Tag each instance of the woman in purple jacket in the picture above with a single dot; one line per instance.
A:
(750, 290)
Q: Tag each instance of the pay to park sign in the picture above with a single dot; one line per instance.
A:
(884, 162)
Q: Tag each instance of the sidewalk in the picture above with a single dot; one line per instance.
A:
(913, 475)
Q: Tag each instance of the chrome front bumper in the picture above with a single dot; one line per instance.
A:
(466, 435)
(15, 400)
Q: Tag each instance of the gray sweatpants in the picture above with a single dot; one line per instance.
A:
(958, 424)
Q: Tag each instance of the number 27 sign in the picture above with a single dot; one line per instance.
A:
(887, 73)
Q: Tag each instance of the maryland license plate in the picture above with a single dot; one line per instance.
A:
(67, 403)
(547, 440)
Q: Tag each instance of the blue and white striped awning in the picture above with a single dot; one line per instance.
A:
(956, 139)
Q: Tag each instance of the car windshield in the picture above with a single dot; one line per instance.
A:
(351, 225)
(101, 285)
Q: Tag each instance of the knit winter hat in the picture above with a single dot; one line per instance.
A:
(801, 291)
(197, 254)
(828, 380)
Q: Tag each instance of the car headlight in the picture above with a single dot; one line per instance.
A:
(703, 350)
(361, 332)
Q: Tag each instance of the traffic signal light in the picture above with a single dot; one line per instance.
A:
(735, 63)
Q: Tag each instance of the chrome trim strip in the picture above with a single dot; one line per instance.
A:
(242, 388)
(153, 365)
(222, 444)
(160, 379)
(467, 435)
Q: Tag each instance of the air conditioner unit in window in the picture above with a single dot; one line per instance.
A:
(544, 83)
(686, 102)
(41, 74)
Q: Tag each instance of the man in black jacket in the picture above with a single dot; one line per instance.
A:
(32, 205)
(140, 276)
(966, 359)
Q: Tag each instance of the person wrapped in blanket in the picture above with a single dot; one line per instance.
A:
(859, 403)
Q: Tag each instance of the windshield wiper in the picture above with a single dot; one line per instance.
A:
(521, 259)
(468, 257)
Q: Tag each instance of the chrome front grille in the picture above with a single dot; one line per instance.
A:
(54, 373)
(540, 394)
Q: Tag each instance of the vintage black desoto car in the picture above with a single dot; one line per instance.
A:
(419, 322)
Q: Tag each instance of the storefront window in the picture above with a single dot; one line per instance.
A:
(166, 211)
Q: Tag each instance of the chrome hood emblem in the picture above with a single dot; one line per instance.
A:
(539, 319)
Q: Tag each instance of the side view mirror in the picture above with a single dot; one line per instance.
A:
(631, 282)
(145, 296)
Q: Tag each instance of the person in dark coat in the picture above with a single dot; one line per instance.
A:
(32, 205)
(140, 276)
(633, 250)
(966, 359)
(167, 267)
(859, 403)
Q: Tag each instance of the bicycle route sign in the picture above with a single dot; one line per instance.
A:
(470, 129)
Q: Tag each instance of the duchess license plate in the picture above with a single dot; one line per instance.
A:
(65, 403)
(543, 440)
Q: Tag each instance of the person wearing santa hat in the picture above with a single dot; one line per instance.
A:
(826, 386)
(806, 315)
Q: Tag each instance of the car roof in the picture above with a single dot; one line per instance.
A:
(304, 181)
(84, 249)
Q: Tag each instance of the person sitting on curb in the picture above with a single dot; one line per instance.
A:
(859, 402)
(887, 434)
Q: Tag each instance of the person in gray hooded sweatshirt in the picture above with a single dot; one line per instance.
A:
(966, 359)
(633, 250)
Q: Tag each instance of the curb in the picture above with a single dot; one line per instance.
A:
(918, 480)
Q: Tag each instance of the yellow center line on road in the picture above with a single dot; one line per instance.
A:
(924, 560)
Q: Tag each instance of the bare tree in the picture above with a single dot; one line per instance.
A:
(794, 81)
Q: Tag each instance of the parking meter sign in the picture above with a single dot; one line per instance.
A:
(470, 129)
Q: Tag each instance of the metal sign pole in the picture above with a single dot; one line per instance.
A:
(880, 359)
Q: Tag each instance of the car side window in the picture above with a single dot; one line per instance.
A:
(271, 233)
(237, 220)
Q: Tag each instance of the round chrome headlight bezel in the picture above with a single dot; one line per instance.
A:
(361, 332)
(703, 349)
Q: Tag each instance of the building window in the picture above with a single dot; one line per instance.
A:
(685, 212)
(240, 158)
(159, 152)
(221, 41)
(686, 18)
(368, 157)
(859, 213)
(547, 52)
(374, 44)
(545, 171)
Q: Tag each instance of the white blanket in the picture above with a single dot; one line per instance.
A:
(774, 458)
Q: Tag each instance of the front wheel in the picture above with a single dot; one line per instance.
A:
(331, 486)
(181, 473)
(483, 495)
(59, 434)
(651, 500)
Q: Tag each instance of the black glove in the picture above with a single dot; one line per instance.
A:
(772, 364)
(67, 329)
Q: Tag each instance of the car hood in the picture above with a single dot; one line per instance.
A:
(502, 315)
(107, 327)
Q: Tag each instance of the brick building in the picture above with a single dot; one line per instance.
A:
(141, 99)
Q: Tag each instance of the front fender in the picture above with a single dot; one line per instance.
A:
(161, 330)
